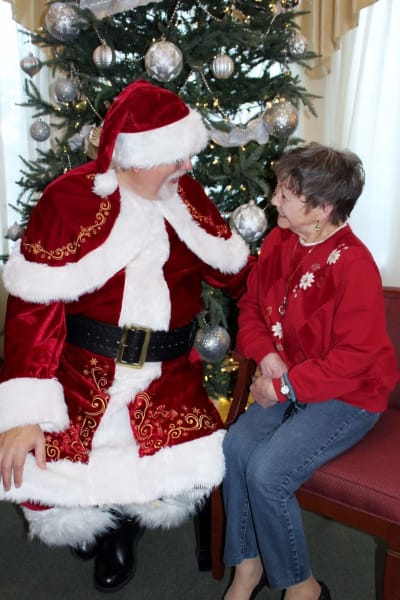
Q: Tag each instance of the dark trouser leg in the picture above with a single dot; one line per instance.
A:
(86, 550)
(202, 525)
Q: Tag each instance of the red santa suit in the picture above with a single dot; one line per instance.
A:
(145, 440)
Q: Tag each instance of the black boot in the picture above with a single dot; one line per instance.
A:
(115, 561)
(86, 551)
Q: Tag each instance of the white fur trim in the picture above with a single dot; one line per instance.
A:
(73, 526)
(227, 255)
(163, 145)
(28, 401)
(167, 512)
(135, 229)
(136, 232)
(69, 526)
(105, 183)
(117, 475)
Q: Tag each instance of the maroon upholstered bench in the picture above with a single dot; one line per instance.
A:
(360, 488)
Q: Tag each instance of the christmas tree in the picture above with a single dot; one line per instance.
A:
(233, 61)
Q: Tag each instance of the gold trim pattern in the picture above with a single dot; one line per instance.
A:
(99, 401)
(221, 230)
(38, 249)
(73, 444)
(148, 420)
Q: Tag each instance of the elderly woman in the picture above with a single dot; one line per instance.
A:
(313, 319)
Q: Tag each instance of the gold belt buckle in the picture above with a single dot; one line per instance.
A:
(123, 344)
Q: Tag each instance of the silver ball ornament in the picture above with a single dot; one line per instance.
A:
(222, 66)
(30, 65)
(298, 45)
(65, 90)
(62, 22)
(212, 343)
(249, 221)
(15, 232)
(281, 118)
(163, 61)
(39, 131)
(103, 56)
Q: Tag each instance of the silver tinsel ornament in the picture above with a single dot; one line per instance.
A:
(290, 4)
(30, 65)
(212, 343)
(281, 118)
(297, 45)
(62, 21)
(250, 221)
(103, 56)
(65, 90)
(39, 131)
(163, 61)
(106, 8)
(15, 232)
(222, 66)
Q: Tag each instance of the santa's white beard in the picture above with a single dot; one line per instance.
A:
(170, 186)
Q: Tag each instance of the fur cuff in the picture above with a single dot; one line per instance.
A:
(29, 401)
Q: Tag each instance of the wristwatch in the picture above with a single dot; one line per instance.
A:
(284, 387)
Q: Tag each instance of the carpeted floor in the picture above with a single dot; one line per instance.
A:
(167, 567)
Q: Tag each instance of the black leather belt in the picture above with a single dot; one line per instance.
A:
(131, 345)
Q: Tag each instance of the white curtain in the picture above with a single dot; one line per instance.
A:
(15, 120)
(360, 110)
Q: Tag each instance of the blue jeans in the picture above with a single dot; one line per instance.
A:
(266, 462)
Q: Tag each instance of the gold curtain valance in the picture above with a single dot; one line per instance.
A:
(29, 14)
(327, 22)
(323, 27)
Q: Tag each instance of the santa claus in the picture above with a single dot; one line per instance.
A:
(105, 427)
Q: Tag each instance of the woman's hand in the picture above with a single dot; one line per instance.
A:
(273, 366)
(14, 446)
(263, 391)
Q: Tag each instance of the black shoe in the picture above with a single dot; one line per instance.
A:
(324, 595)
(262, 583)
(86, 550)
(115, 562)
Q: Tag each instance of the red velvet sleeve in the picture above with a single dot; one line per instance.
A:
(360, 365)
(34, 337)
(253, 340)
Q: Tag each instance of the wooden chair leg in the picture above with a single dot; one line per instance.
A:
(217, 533)
(391, 581)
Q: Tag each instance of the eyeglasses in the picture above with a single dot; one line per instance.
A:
(181, 161)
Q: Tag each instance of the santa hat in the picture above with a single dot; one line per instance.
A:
(146, 126)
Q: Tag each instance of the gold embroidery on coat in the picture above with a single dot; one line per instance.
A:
(221, 230)
(99, 400)
(78, 436)
(37, 248)
(147, 419)
(52, 449)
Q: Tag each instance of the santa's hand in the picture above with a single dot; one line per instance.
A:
(14, 446)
